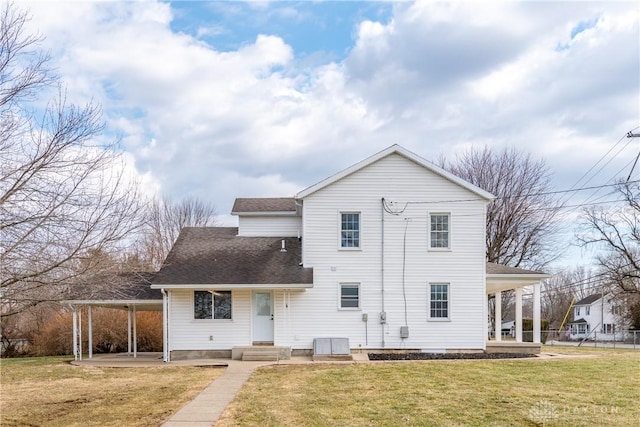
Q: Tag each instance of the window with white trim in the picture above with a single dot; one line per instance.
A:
(212, 305)
(577, 311)
(439, 231)
(587, 310)
(438, 301)
(349, 229)
(349, 296)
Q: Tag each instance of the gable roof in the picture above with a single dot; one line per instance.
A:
(207, 257)
(264, 204)
(395, 149)
(589, 300)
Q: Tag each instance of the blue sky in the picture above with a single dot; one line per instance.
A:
(319, 29)
(219, 100)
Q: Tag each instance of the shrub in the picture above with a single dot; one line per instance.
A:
(109, 333)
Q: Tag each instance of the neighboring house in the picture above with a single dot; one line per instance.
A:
(386, 254)
(597, 317)
(389, 253)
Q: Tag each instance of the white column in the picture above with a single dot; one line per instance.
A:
(89, 319)
(498, 316)
(135, 333)
(74, 318)
(80, 334)
(518, 314)
(165, 329)
(536, 313)
(128, 330)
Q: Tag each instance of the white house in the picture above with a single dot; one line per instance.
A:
(386, 254)
(598, 317)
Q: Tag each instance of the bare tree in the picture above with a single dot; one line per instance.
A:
(521, 226)
(165, 219)
(62, 194)
(615, 230)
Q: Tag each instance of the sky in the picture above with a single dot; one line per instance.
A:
(226, 99)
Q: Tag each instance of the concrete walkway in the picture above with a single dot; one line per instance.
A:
(206, 408)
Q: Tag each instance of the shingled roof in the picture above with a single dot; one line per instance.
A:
(589, 300)
(115, 289)
(493, 268)
(218, 256)
(272, 204)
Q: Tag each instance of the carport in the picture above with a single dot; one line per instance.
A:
(133, 295)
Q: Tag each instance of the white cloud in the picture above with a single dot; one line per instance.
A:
(436, 78)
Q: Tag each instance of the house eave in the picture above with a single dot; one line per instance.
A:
(503, 282)
(269, 213)
(231, 286)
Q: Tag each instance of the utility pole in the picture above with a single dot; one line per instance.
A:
(633, 135)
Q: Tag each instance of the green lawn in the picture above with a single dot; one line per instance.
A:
(48, 391)
(596, 388)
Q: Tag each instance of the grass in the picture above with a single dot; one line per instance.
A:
(49, 391)
(602, 388)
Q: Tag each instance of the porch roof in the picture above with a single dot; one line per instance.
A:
(502, 277)
(123, 291)
(216, 257)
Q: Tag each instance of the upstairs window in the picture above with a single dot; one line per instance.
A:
(587, 310)
(439, 231)
(349, 230)
(438, 301)
(212, 305)
(577, 311)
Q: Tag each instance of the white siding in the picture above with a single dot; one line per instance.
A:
(187, 333)
(315, 313)
(269, 226)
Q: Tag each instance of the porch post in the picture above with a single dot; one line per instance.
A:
(135, 332)
(536, 313)
(518, 314)
(165, 328)
(498, 316)
(128, 330)
(90, 320)
(80, 334)
(74, 318)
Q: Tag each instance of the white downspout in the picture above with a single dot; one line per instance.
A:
(382, 313)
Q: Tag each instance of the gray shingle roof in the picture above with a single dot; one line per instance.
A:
(589, 300)
(217, 256)
(123, 287)
(493, 268)
(273, 204)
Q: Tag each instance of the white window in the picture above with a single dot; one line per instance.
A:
(587, 310)
(349, 229)
(212, 305)
(439, 231)
(349, 296)
(577, 311)
(438, 301)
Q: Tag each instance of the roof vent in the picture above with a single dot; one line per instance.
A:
(283, 248)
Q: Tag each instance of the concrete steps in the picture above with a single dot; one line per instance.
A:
(260, 355)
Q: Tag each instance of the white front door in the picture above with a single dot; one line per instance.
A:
(262, 317)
